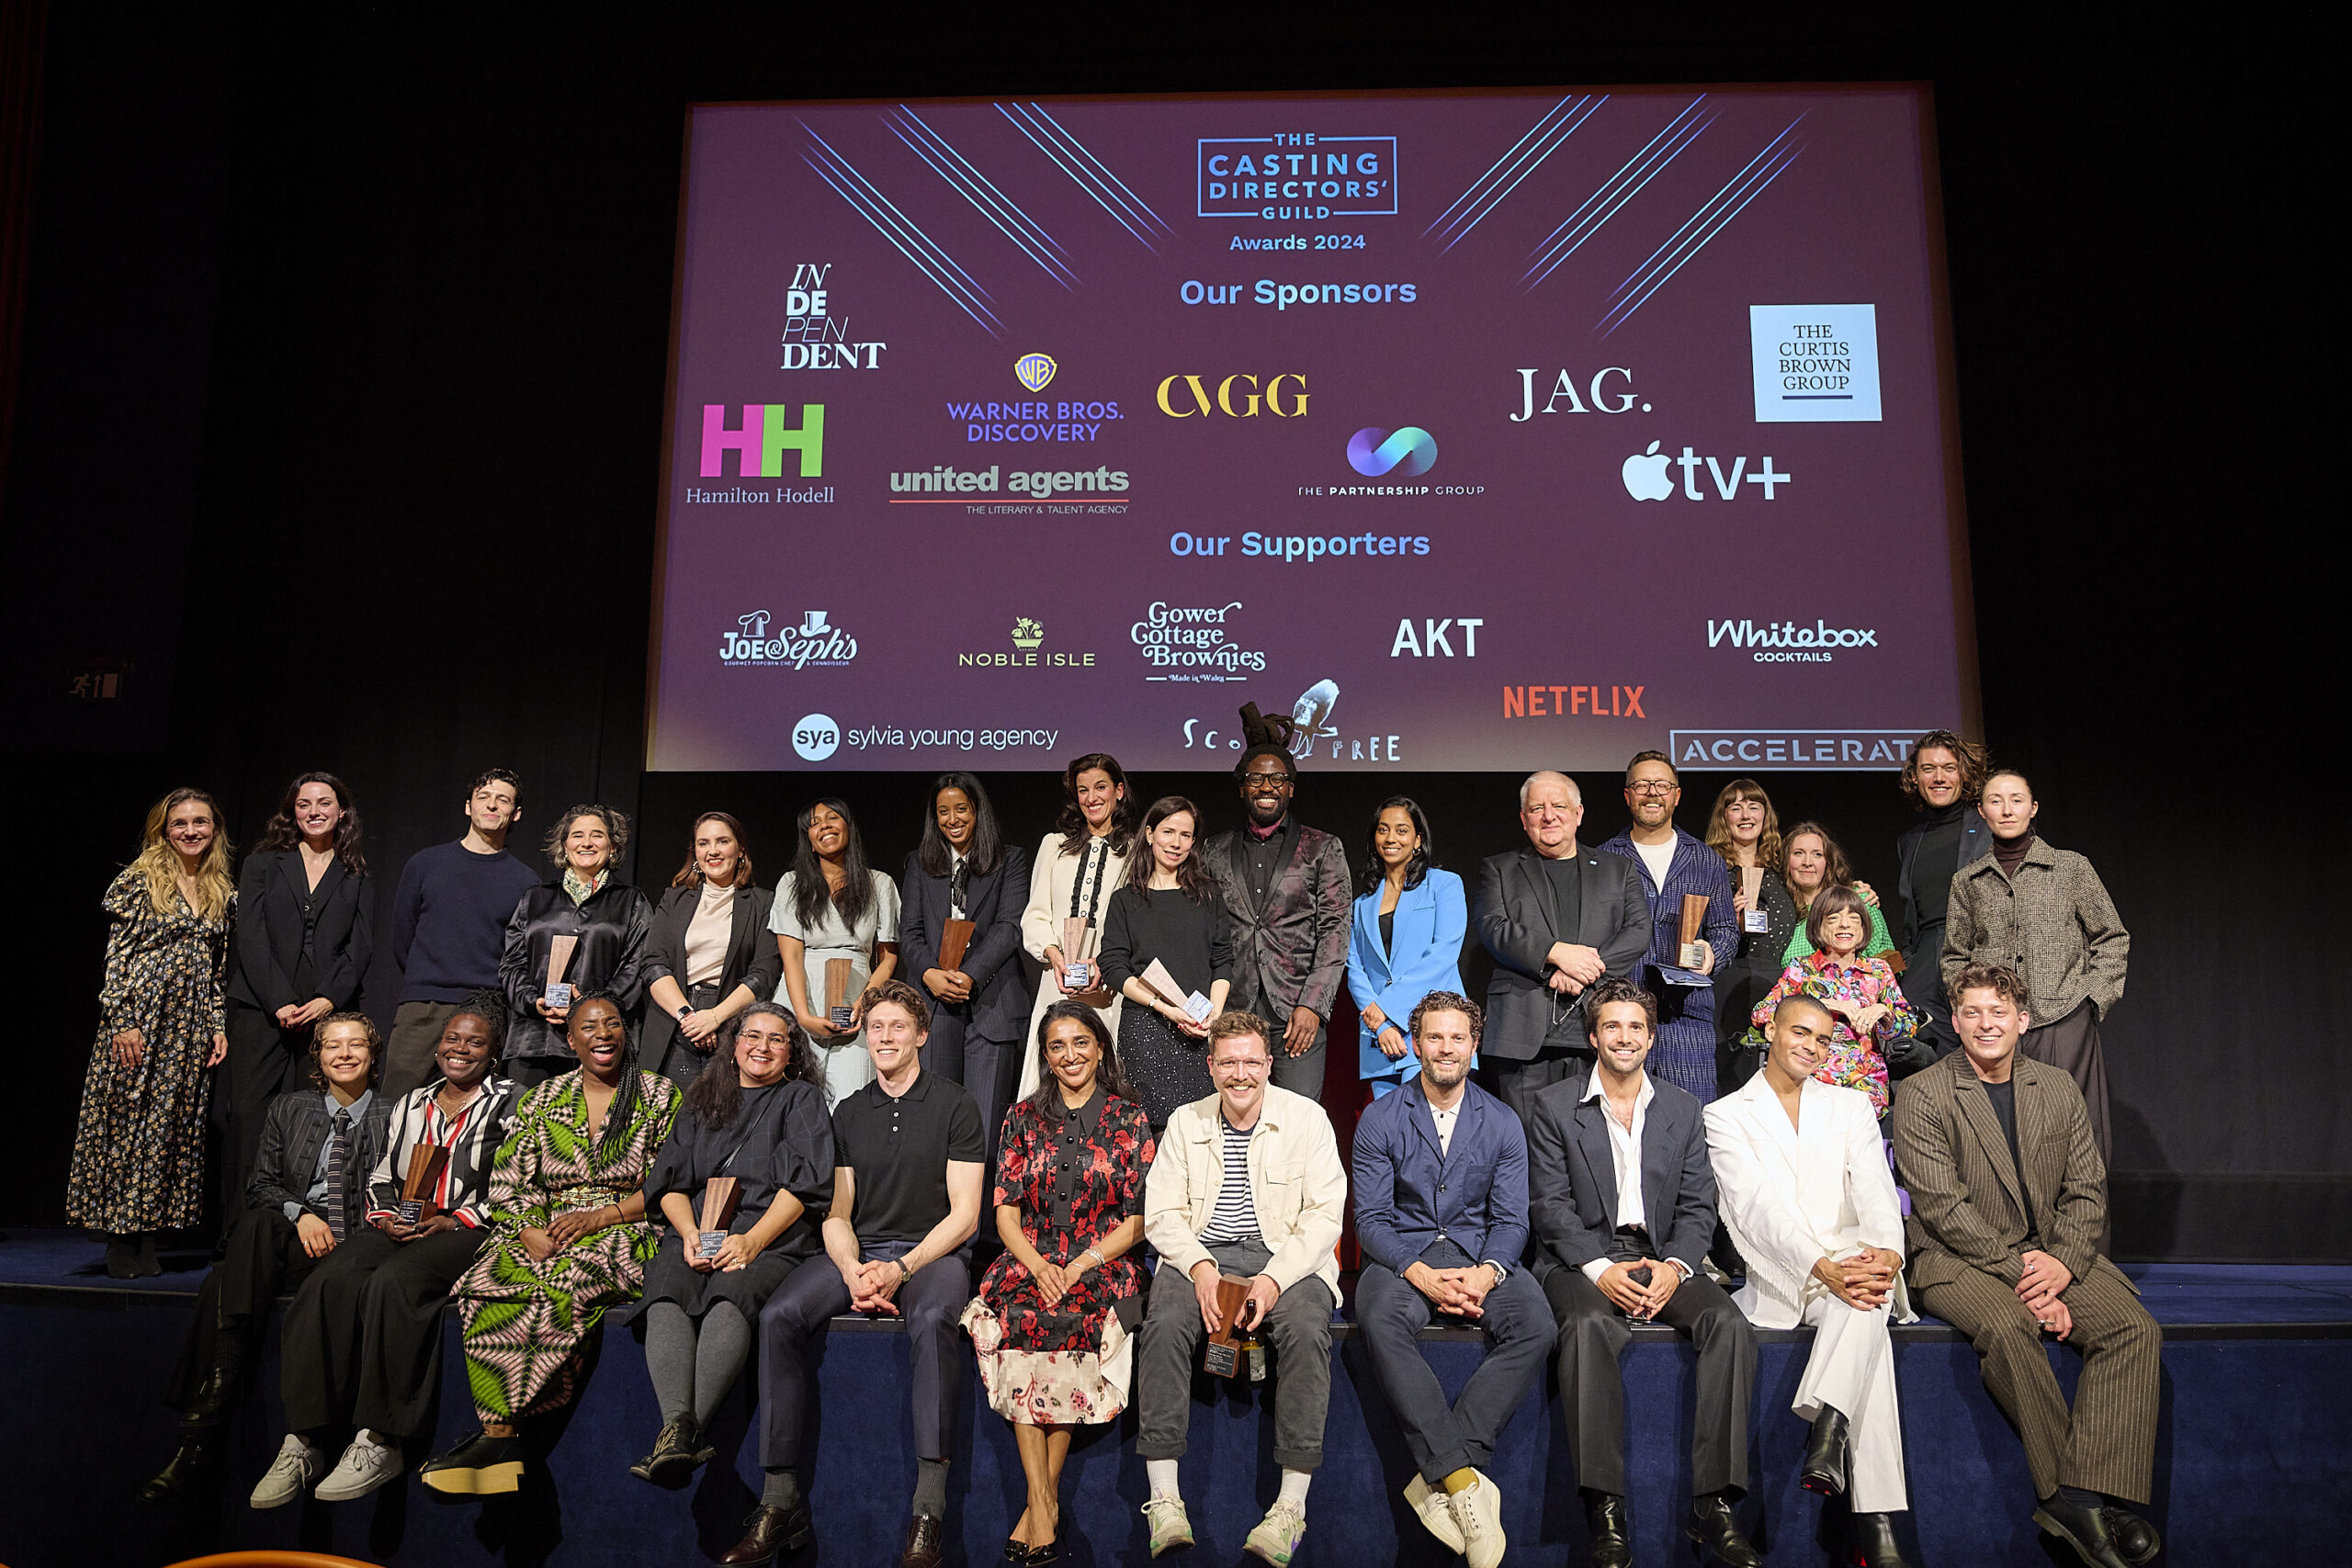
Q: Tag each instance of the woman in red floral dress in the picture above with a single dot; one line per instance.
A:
(1047, 1326)
(1860, 994)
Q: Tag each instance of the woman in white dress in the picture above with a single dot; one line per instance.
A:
(1077, 868)
(832, 906)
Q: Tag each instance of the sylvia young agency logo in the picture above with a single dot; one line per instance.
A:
(816, 737)
(815, 641)
(1647, 478)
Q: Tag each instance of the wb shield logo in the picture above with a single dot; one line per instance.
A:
(1034, 370)
(1373, 452)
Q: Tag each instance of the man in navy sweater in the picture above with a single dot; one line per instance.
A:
(449, 925)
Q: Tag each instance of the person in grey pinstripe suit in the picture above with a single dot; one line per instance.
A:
(2007, 1196)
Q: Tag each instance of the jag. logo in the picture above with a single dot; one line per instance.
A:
(814, 641)
(816, 738)
(1646, 477)
(1373, 452)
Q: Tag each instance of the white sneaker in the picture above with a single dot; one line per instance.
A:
(1278, 1534)
(1170, 1525)
(365, 1466)
(1478, 1515)
(297, 1464)
(1436, 1516)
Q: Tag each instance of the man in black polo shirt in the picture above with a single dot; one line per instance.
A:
(909, 1160)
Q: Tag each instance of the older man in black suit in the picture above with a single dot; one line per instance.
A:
(1622, 1197)
(1558, 917)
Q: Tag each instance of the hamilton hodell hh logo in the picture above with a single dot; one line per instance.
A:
(814, 338)
(1295, 175)
(762, 440)
(814, 642)
(1029, 652)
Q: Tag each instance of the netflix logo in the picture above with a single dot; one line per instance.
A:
(1573, 701)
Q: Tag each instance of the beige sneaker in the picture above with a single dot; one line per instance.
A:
(1278, 1534)
(1436, 1516)
(1170, 1525)
(1478, 1515)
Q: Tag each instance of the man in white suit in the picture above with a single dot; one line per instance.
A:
(1806, 1190)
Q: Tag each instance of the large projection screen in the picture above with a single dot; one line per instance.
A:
(1478, 432)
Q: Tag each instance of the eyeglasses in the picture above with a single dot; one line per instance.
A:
(1280, 779)
(1651, 786)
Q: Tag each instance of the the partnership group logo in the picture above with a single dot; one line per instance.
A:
(1035, 370)
(815, 641)
(1373, 452)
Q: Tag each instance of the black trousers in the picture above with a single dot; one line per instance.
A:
(1593, 1335)
(264, 1062)
(361, 1346)
(990, 1070)
(803, 1308)
(1390, 1314)
(264, 1255)
(1517, 1084)
(1302, 1073)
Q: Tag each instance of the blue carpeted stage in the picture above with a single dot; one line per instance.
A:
(2254, 1459)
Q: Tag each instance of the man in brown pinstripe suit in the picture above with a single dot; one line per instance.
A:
(2007, 1198)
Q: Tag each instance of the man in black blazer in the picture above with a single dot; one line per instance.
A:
(1557, 918)
(1944, 776)
(1622, 1197)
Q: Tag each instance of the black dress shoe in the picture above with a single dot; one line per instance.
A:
(149, 1264)
(2135, 1539)
(1715, 1531)
(1043, 1556)
(2083, 1529)
(480, 1466)
(1871, 1543)
(1829, 1455)
(676, 1454)
(1610, 1525)
(182, 1472)
(923, 1549)
(122, 1257)
(768, 1531)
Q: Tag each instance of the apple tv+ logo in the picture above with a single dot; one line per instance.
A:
(1647, 478)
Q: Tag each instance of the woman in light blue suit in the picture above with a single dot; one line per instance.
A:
(1404, 941)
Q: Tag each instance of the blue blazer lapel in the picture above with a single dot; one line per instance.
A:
(1418, 1118)
(1415, 917)
(1368, 932)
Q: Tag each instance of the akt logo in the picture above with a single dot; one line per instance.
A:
(1199, 395)
(1373, 452)
(763, 440)
(1645, 476)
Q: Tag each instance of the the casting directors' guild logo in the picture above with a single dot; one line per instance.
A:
(1035, 370)
(815, 641)
(1028, 636)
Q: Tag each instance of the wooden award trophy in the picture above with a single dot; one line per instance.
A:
(1221, 1357)
(1081, 976)
(1194, 1005)
(954, 940)
(720, 1195)
(425, 1163)
(1694, 915)
(559, 951)
(1751, 883)
(838, 1011)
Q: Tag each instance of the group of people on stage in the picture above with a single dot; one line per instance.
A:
(590, 1103)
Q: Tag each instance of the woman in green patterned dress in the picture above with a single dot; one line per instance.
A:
(568, 1200)
(139, 1151)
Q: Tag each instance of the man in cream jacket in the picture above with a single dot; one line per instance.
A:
(1805, 1191)
(1249, 1184)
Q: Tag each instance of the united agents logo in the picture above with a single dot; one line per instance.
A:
(1373, 452)
(1035, 370)
(1028, 637)
(814, 642)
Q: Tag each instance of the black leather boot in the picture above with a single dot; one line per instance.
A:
(1714, 1528)
(1873, 1542)
(1610, 1525)
(185, 1468)
(1828, 1456)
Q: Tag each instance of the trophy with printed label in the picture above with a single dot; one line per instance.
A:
(720, 1195)
(1081, 976)
(558, 994)
(1221, 1357)
(954, 940)
(838, 1011)
(425, 1163)
(1751, 886)
(1694, 915)
(1194, 1005)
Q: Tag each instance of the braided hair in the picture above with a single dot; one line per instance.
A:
(488, 1005)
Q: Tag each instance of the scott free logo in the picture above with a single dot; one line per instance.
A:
(1786, 642)
(814, 641)
(1373, 452)
(1647, 478)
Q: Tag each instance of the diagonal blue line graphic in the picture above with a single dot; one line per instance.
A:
(895, 226)
(1580, 110)
(1063, 163)
(1701, 226)
(1617, 190)
(1102, 170)
(977, 188)
(1471, 191)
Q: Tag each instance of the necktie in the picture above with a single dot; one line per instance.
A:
(335, 1146)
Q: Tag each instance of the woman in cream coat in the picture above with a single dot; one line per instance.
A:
(1080, 864)
(1803, 1183)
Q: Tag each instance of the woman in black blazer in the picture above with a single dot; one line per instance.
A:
(305, 933)
(980, 1008)
(707, 956)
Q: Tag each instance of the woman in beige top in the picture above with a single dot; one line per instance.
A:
(1080, 864)
(707, 953)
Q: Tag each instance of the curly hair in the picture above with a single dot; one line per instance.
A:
(1718, 833)
(1611, 989)
(716, 1096)
(375, 1047)
(158, 864)
(1972, 765)
(1448, 1001)
(900, 994)
(1236, 1024)
(616, 829)
(1998, 979)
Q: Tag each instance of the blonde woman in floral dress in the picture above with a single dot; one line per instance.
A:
(139, 1151)
(568, 1198)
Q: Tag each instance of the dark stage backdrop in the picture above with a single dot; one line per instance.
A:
(338, 444)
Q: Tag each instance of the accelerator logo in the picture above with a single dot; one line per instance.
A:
(1373, 452)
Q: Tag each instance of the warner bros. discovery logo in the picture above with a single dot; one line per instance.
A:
(815, 641)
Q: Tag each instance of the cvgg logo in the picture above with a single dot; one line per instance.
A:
(1194, 392)
(1373, 452)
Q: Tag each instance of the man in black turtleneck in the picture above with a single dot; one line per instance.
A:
(1943, 776)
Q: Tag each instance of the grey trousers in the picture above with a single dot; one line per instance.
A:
(1299, 1331)
(407, 1052)
(1390, 1315)
(1593, 1332)
(1302, 1073)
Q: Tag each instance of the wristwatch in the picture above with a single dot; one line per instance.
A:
(686, 1013)
(905, 1273)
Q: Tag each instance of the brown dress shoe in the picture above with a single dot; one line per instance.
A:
(923, 1549)
(768, 1531)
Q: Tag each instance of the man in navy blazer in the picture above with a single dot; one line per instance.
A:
(1622, 1197)
(1441, 1195)
(1558, 917)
